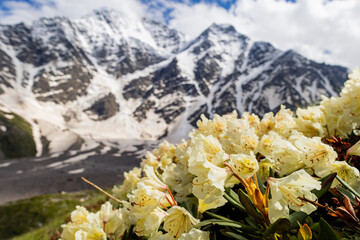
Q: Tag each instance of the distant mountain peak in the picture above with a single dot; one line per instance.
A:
(127, 77)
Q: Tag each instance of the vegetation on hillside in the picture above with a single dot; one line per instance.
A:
(39, 218)
(16, 137)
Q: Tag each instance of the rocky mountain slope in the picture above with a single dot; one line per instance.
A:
(111, 76)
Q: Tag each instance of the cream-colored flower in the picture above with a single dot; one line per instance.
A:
(152, 180)
(156, 185)
(315, 154)
(179, 180)
(252, 120)
(240, 140)
(202, 206)
(90, 231)
(179, 221)
(131, 178)
(195, 234)
(112, 219)
(347, 173)
(267, 124)
(165, 154)
(80, 215)
(244, 165)
(311, 121)
(69, 230)
(161, 236)
(83, 226)
(284, 122)
(207, 145)
(352, 87)
(150, 160)
(342, 112)
(285, 155)
(338, 116)
(206, 162)
(151, 223)
(270, 142)
(209, 183)
(285, 193)
(354, 150)
(143, 201)
(216, 126)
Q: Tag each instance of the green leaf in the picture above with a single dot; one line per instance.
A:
(325, 185)
(326, 231)
(295, 218)
(347, 193)
(281, 226)
(236, 236)
(218, 216)
(232, 194)
(348, 186)
(262, 188)
(250, 207)
(233, 224)
(271, 172)
(235, 203)
(129, 233)
(251, 221)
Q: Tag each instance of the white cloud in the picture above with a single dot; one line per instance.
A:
(25, 12)
(322, 30)
(326, 31)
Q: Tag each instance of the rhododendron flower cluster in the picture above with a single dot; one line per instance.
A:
(266, 169)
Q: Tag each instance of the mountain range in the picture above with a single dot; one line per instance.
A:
(110, 76)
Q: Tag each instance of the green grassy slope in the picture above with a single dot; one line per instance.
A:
(41, 217)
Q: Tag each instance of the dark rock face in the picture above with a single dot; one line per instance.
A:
(207, 73)
(66, 84)
(7, 71)
(163, 83)
(294, 81)
(130, 59)
(104, 108)
(140, 112)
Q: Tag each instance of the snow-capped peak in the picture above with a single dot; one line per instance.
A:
(112, 75)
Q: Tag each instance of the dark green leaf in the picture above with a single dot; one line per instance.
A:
(281, 226)
(347, 193)
(326, 231)
(234, 202)
(250, 207)
(325, 185)
(129, 233)
(251, 221)
(232, 194)
(213, 236)
(347, 186)
(218, 216)
(233, 224)
(236, 236)
(261, 185)
(295, 218)
(271, 173)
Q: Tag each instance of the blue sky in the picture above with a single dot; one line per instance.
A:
(226, 4)
(3, 5)
(323, 30)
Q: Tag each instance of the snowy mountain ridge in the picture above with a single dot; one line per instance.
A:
(110, 76)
